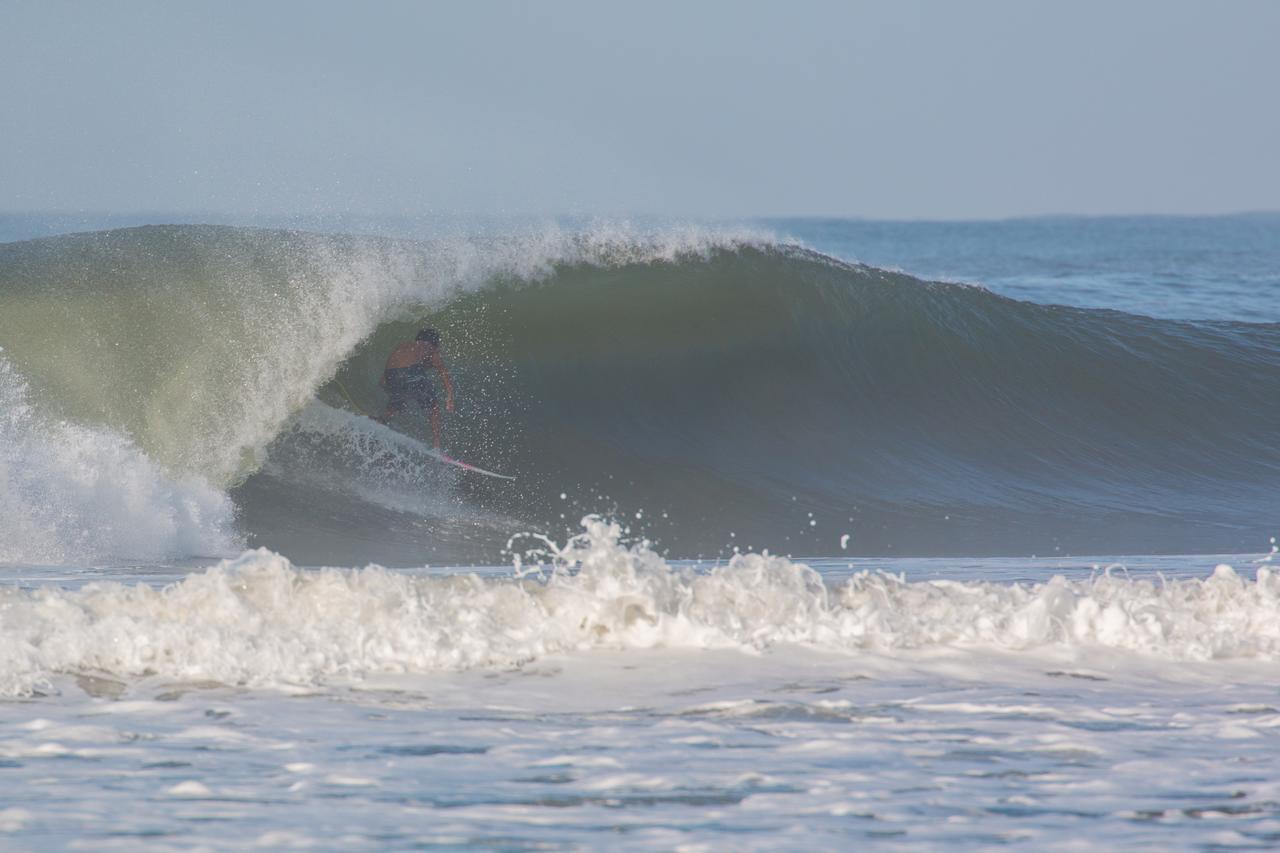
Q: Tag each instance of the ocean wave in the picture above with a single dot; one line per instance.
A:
(200, 341)
(259, 621)
(715, 381)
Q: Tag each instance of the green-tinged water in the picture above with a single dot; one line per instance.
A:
(718, 390)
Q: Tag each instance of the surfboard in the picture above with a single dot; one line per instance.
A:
(467, 466)
(416, 446)
(345, 419)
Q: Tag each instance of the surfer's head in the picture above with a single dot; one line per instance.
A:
(431, 336)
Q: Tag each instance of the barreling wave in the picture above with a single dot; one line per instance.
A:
(259, 621)
(728, 389)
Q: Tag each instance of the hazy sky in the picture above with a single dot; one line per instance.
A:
(884, 109)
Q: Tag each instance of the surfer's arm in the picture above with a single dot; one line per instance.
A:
(438, 363)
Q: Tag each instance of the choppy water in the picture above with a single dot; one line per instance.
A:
(172, 395)
(1188, 268)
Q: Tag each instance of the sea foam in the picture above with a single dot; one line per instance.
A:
(73, 493)
(260, 621)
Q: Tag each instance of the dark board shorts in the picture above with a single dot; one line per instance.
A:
(410, 384)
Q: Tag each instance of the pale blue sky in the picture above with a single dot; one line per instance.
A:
(724, 109)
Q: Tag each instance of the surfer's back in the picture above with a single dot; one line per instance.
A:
(409, 353)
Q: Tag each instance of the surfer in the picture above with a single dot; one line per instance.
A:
(406, 379)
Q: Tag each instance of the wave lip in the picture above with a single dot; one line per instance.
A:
(259, 621)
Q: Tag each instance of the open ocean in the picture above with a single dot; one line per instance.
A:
(824, 533)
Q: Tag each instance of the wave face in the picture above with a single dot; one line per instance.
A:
(259, 621)
(726, 389)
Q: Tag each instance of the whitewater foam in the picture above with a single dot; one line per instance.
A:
(73, 493)
(260, 621)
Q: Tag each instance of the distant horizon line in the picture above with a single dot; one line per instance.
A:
(806, 217)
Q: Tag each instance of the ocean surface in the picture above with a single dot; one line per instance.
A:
(823, 533)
